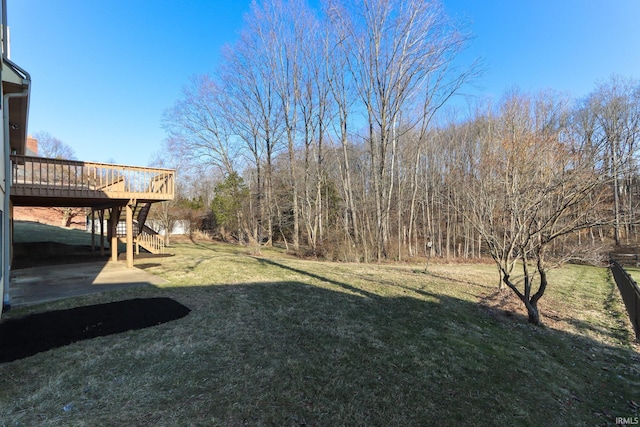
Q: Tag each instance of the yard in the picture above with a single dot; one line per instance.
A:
(276, 340)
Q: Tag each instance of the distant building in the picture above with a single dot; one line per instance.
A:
(32, 146)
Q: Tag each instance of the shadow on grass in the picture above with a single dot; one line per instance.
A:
(147, 265)
(202, 246)
(619, 333)
(450, 279)
(35, 333)
(288, 353)
(348, 357)
(342, 285)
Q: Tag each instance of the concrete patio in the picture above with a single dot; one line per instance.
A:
(47, 283)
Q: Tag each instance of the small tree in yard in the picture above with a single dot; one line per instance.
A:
(226, 207)
(530, 184)
(53, 148)
(166, 213)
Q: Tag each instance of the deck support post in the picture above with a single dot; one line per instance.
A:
(129, 217)
(101, 217)
(115, 215)
(93, 230)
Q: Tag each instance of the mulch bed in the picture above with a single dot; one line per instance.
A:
(35, 333)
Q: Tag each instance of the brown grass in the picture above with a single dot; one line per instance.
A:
(275, 340)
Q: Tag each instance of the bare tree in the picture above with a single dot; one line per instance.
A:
(289, 78)
(197, 129)
(397, 51)
(284, 32)
(615, 106)
(526, 187)
(167, 213)
(336, 57)
(52, 147)
(316, 112)
(254, 110)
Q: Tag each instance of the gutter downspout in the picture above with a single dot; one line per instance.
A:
(6, 219)
(5, 262)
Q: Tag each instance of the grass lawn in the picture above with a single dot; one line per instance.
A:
(634, 272)
(279, 341)
(29, 231)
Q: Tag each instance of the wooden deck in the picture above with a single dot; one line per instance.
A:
(41, 181)
(38, 181)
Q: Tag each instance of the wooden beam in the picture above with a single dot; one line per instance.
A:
(93, 230)
(113, 225)
(101, 216)
(129, 212)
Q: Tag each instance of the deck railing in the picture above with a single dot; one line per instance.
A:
(42, 177)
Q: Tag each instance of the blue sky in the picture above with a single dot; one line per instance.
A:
(104, 71)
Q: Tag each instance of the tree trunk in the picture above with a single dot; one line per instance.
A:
(533, 313)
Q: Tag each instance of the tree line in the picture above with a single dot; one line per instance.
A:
(314, 110)
(330, 126)
(327, 131)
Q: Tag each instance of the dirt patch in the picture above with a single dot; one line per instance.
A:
(505, 305)
(35, 333)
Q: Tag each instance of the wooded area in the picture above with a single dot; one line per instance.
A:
(330, 131)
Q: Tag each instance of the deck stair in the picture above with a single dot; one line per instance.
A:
(144, 236)
(150, 240)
